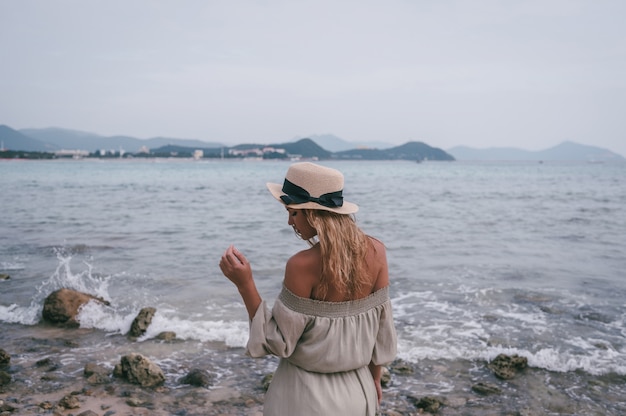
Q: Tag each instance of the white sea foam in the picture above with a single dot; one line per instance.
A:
(62, 277)
(83, 281)
(98, 316)
(594, 360)
(11, 265)
(15, 314)
(233, 334)
(445, 329)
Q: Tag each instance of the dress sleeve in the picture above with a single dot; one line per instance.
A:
(275, 332)
(386, 340)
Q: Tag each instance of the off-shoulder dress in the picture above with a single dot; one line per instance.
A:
(325, 349)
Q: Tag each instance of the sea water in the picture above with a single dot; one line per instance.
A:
(484, 258)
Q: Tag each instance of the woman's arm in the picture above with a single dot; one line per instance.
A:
(237, 269)
(376, 371)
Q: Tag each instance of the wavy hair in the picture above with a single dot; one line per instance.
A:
(343, 247)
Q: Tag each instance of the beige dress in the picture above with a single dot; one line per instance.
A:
(325, 349)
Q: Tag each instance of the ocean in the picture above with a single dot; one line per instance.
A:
(484, 258)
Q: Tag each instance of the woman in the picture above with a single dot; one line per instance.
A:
(332, 324)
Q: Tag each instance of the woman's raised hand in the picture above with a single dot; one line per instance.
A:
(236, 267)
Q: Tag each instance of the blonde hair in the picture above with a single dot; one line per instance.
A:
(343, 247)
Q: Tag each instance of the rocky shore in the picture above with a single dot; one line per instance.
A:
(432, 388)
(136, 386)
(59, 369)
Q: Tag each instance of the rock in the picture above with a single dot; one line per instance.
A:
(138, 369)
(49, 363)
(385, 377)
(142, 322)
(198, 378)
(267, 380)
(6, 407)
(506, 367)
(62, 306)
(5, 358)
(427, 403)
(134, 402)
(91, 368)
(486, 388)
(5, 378)
(96, 374)
(401, 367)
(46, 405)
(69, 402)
(88, 413)
(167, 336)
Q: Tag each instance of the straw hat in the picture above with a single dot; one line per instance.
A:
(311, 186)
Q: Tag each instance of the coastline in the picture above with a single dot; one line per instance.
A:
(47, 369)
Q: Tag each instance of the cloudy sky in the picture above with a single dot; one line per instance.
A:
(527, 74)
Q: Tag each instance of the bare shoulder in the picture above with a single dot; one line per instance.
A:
(302, 272)
(377, 260)
(379, 252)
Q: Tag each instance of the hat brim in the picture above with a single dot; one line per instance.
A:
(277, 191)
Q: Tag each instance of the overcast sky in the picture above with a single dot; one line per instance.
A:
(527, 74)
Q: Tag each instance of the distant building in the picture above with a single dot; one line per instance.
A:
(255, 152)
(269, 149)
(76, 154)
(246, 153)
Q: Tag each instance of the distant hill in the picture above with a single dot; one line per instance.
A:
(566, 151)
(306, 148)
(335, 144)
(73, 139)
(51, 139)
(575, 151)
(15, 140)
(330, 142)
(318, 146)
(416, 151)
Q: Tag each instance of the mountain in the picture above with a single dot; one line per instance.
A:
(330, 142)
(575, 151)
(566, 151)
(336, 144)
(73, 139)
(305, 148)
(416, 151)
(50, 139)
(14, 140)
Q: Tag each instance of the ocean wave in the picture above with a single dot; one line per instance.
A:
(97, 316)
(595, 361)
